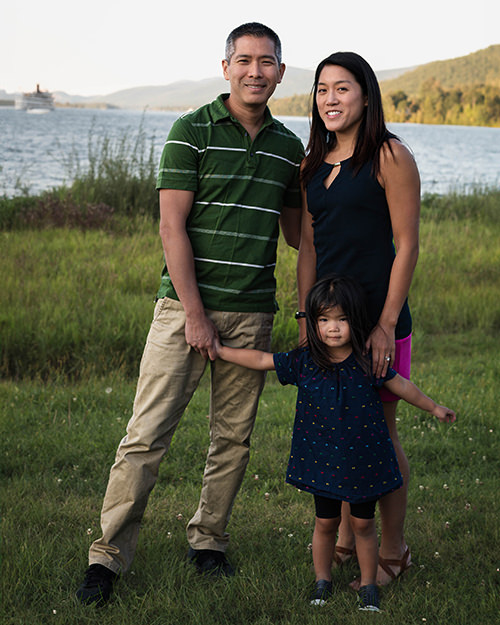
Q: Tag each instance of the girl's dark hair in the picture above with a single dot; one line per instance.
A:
(372, 132)
(340, 291)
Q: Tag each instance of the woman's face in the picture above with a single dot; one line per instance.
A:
(340, 100)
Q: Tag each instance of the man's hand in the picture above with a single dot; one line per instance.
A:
(201, 335)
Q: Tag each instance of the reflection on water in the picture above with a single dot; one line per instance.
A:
(39, 152)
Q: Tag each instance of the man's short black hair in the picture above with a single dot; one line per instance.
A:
(254, 29)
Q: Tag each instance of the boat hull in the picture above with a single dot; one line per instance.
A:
(36, 101)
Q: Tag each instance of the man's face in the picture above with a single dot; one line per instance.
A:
(253, 71)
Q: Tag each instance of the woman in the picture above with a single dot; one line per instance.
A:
(361, 218)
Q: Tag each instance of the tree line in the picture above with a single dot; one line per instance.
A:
(472, 105)
(476, 105)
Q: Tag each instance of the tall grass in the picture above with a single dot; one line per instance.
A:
(75, 302)
(460, 259)
(120, 173)
(79, 301)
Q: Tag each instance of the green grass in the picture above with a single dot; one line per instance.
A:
(74, 301)
(59, 440)
(75, 307)
(78, 300)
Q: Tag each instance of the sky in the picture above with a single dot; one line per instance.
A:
(97, 47)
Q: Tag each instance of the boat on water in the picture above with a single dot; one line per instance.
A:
(35, 102)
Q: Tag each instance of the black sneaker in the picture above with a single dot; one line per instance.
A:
(368, 598)
(322, 592)
(97, 585)
(210, 562)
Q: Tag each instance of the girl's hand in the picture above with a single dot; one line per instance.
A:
(382, 343)
(216, 348)
(444, 414)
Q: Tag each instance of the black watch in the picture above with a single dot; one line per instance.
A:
(300, 314)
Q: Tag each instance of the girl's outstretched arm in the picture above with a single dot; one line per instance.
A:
(413, 395)
(249, 358)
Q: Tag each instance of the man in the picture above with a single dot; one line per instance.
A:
(228, 174)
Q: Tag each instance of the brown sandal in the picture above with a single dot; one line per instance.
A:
(403, 564)
(345, 551)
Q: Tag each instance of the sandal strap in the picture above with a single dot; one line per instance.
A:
(402, 563)
(343, 550)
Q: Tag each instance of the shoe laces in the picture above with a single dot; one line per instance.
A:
(368, 596)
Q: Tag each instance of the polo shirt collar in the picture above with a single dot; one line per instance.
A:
(220, 112)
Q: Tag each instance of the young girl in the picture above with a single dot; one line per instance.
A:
(341, 448)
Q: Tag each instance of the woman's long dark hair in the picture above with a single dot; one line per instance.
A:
(340, 291)
(372, 133)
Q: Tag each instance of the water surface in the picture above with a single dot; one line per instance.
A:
(38, 152)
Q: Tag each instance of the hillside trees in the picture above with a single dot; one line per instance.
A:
(476, 105)
(462, 91)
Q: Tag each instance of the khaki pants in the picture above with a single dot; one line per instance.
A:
(169, 374)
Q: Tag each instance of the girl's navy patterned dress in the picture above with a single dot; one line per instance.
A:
(341, 446)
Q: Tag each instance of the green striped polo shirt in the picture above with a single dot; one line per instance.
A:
(240, 187)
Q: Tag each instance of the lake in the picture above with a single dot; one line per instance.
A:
(39, 152)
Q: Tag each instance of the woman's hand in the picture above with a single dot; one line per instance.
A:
(382, 344)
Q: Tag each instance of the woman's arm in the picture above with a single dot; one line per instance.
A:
(413, 395)
(400, 179)
(290, 225)
(306, 263)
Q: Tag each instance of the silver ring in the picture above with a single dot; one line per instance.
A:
(388, 358)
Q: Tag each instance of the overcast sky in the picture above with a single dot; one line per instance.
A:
(100, 46)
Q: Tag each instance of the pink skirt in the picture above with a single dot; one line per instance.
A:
(401, 364)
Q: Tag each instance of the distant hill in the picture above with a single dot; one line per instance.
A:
(453, 91)
(462, 91)
(185, 94)
(482, 67)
